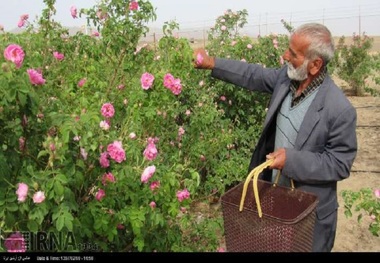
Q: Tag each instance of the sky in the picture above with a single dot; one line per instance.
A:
(343, 17)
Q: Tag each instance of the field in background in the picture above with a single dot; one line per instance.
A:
(202, 42)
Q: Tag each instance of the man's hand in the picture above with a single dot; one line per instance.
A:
(279, 157)
(202, 60)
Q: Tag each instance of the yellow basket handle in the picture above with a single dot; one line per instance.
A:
(255, 174)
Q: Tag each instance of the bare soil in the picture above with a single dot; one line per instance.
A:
(351, 235)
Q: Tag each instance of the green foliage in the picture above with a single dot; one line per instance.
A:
(354, 63)
(243, 109)
(366, 204)
(52, 136)
(51, 139)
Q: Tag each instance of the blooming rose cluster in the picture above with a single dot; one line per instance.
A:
(173, 84)
(15, 54)
(22, 194)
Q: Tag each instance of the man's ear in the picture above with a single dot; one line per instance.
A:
(315, 66)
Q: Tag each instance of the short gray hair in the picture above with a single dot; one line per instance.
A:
(321, 41)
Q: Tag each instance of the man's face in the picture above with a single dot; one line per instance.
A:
(299, 73)
(295, 58)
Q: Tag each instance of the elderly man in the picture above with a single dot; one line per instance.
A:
(310, 127)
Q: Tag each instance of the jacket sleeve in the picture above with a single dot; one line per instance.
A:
(250, 76)
(328, 162)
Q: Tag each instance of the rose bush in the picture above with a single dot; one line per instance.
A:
(114, 143)
(364, 203)
(101, 137)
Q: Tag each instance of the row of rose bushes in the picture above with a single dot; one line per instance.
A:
(113, 141)
(107, 140)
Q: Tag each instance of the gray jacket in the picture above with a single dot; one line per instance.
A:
(326, 145)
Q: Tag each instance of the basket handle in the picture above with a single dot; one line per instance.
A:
(255, 174)
(278, 177)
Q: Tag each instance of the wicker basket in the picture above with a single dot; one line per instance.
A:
(286, 225)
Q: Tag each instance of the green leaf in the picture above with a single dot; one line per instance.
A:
(60, 223)
(195, 176)
(32, 226)
(12, 207)
(61, 178)
(58, 189)
(98, 224)
(42, 153)
(69, 222)
(139, 243)
(22, 98)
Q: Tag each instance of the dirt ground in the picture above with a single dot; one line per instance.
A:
(352, 236)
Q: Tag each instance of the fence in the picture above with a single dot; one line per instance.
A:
(342, 21)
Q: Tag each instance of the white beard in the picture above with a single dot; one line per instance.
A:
(299, 73)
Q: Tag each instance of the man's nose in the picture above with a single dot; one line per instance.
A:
(285, 56)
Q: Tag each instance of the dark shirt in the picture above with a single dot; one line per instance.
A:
(294, 84)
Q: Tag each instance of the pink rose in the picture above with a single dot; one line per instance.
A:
(104, 125)
(15, 54)
(181, 131)
(81, 82)
(108, 177)
(101, 15)
(35, 77)
(100, 195)
(173, 84)
(120, 226)
(133, 6)
(146, 80)
(150, 151)
(103, 160)
(377, 193)
(58, 56)
(108, 110)
(24, 17)
(21, 143)
(132, 136)
(83, 153)
(154, 185)
(73, 11)
(183, 194)
(22, 192)
(148, 173)
(116, 152)
(21, 23)
(176, 88)
(38, 197)
(95, 34)
(168, 80)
